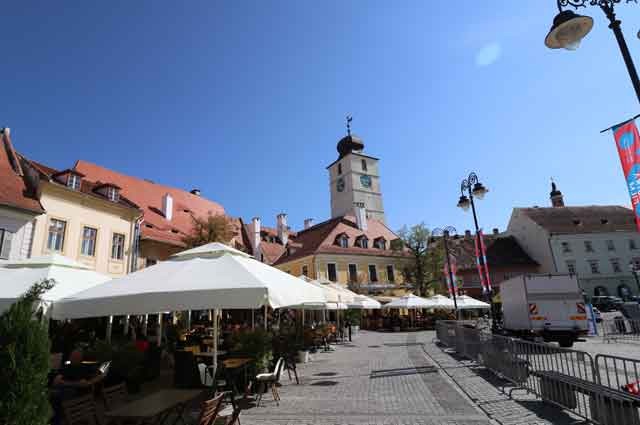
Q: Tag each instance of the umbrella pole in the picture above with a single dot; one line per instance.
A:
(145, 321)
(253, 319)
(265, 317)
(188, 319)
(109, 328)
(159, 329)
(126, 325)
(215, 342)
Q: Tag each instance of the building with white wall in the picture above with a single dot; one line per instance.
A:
(597, 243)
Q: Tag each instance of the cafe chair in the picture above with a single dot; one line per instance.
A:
(234, 418)
(269, 380)
(209, 410)
(81, 411)
(186, 373)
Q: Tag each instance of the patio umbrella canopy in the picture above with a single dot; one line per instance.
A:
(361, 302)
(211, 276)
(440, 301)
(466, 302)
(410, 301)
(69, 277)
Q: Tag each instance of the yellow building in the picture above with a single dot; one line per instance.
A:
(87, 221)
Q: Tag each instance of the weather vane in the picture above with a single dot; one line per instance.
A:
(349, 119)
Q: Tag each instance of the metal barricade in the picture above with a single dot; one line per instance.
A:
(620, 328)
(620, 373)
(446, 333)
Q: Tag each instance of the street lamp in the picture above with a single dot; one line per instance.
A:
(635, 270)
(569, 29)
(445, 233)
(474, 189)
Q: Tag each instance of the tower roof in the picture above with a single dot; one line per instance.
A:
(348, 144)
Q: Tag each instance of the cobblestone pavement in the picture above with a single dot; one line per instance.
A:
(350, 386)
(484, 388)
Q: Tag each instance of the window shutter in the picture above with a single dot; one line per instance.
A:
(6, 245)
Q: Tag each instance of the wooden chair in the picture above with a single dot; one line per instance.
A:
(209, 410)
(115, 396)
(81, 411)
(234, 418)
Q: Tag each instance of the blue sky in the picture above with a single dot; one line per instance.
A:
(246, 99)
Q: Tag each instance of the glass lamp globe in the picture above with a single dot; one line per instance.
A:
(568, 30)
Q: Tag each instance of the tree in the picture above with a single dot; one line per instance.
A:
(24, 356)
(213, 228)
(427, 263)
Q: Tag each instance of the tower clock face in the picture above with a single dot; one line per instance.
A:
(340, 184)
(365, 180)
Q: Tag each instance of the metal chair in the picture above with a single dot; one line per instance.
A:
(81, 411)
(270, 380)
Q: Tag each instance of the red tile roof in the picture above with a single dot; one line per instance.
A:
(271, 251)
(321, 239)
(149, 196)
(14, 190)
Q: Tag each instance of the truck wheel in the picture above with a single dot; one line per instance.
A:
(566, 342)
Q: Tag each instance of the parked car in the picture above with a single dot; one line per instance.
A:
(607, 303)
(597, 315)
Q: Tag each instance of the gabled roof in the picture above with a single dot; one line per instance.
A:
(149, 196)
(502, 251)
(15, 191)
(321, 239)
(587, 219)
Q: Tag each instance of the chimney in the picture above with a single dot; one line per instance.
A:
(496, 231)
(557, 200)
(195, 192)
(361, 215)
(167, 206)
(467, 234)
(283, 232)
(255, 237)
(308, 223)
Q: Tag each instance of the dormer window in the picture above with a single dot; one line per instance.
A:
(113, 194)
(73, 181)
(362, 242)
(342, 241)
(380, 243)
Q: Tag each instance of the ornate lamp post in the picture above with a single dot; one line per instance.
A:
(445, 233)
(635, 271)
(569, 29)
(474, 189)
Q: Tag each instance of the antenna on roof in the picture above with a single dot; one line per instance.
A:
(349, 119)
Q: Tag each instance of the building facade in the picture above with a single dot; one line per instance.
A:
(19, 204)
(596, 243)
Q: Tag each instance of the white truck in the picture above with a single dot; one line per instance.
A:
(550, 307)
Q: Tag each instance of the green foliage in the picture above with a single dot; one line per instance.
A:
(213, 228)
(352, 317)
(24, 356)
(256, 343)
(427, 263)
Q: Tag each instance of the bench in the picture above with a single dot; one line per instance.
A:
(608, 406)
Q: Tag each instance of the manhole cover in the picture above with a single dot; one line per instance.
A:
(381, 373)
(324, 383)
(325, 374)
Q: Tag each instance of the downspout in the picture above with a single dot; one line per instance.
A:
(135, 244)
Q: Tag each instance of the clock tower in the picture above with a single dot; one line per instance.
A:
(354, 179)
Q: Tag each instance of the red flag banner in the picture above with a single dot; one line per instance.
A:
(483, 269)
(451, 286)
(628, 144)
(486, 264)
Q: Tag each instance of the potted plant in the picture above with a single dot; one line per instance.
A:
(256, 343)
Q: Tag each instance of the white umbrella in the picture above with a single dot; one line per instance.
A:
(410, 301)
(206, 277)
(440, 301)
(466, 302)
(362, 302)
(69, 277)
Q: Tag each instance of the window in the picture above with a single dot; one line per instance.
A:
(113, 194)
(595, 268)
(339, 168)
(390, 274)
(353, 273)
(88, 241)
(588, 246)
(343, 241)
(150, 262)
(632, 244)
(5, 243)
(73, 181)
(610, 246)
(289, 271)
(373, 273)
(364, 165)
(117, 247)
(615, 265)
(362, 242)
(636, 263)
(55, 240)
(380, 243)
(332, 273)
(566, 248)
(571, 267)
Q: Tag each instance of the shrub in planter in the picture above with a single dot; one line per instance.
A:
(24, 356)
(256, 343)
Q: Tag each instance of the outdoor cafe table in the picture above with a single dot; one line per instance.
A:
(233, 366)
(156, 407)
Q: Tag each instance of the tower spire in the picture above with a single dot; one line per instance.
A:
(349, 119)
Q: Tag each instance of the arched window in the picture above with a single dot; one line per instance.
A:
(600, 291)
(624, 291)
